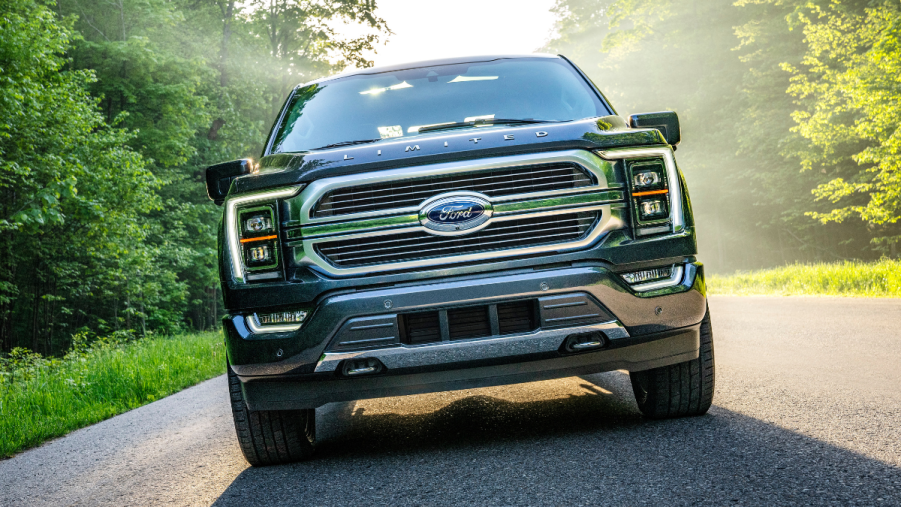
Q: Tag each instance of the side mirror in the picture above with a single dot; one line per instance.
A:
(219, 177)
(667, 122)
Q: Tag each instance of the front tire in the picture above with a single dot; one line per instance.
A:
(678, 390)
(271, 437)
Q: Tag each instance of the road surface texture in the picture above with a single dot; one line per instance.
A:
(807, 412)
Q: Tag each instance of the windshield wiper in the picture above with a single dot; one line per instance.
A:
(483, 121)
(346, 143)
(519, 122)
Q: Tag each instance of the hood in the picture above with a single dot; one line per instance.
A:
(284, 169)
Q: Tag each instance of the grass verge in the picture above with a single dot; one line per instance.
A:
(87, 388)
(861, 279)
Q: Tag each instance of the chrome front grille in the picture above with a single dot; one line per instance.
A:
(419, 245)
(537, 203)
(411, 192)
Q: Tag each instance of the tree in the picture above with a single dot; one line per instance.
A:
(301, 39)
(71, 187)
(720, 66)
(111, 111)
(849, 87)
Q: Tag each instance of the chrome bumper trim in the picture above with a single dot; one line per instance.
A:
(449, 352)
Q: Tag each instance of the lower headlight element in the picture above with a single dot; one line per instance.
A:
(652, 209)
(653, 279)
(259, 255)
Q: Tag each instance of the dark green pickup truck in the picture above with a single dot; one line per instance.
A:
(455, 224)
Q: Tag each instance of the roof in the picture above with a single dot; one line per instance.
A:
(427, 63)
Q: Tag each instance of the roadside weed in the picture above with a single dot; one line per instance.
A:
(863, 279)
(46, 398)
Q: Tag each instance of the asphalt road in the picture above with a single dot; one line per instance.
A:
(807, 412)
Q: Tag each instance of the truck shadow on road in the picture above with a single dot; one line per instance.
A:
(587, 447)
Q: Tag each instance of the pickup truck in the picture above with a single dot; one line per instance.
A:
(455, 224)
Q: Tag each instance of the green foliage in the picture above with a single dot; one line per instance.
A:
(722, 67)
(300, 38)
(71, 191)
(109, 112)
(849, 84)
(46, 398)
(874, 279)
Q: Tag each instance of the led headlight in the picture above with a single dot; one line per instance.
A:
(654, 186)
(650, 196)
(648, 175)
(646, 179)
(251, 222)
(258, 223)
(259, 240)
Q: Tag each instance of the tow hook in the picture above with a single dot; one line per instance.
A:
(583, 342)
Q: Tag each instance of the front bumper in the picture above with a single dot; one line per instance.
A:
(311, 391)
(302, 365)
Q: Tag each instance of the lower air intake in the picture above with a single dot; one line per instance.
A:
(472, 322)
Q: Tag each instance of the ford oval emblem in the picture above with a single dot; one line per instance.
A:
(455, 213)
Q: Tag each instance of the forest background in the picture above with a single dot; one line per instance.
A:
(111, 109)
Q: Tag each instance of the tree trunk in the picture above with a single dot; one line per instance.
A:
(8, 275)
(228, 15)
(35, 309)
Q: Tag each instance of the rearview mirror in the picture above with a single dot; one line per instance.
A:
(667, 122)
(219, 177)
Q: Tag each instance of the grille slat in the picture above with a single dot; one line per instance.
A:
(406, 242)
(421, 251)
(526, 186)
(410, 200)
(409, 185)
(527, 232)
(413, 242)
(491, 182)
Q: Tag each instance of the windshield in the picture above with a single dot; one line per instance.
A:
(367, 108)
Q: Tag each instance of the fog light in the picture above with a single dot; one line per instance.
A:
(648, 275)
(295, 317)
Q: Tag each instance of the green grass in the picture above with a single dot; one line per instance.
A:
(860, 279)
(79, 391)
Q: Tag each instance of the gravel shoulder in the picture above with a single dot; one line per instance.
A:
(807, 411)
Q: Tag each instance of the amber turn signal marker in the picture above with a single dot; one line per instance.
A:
(642, 194)
(248, 240)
